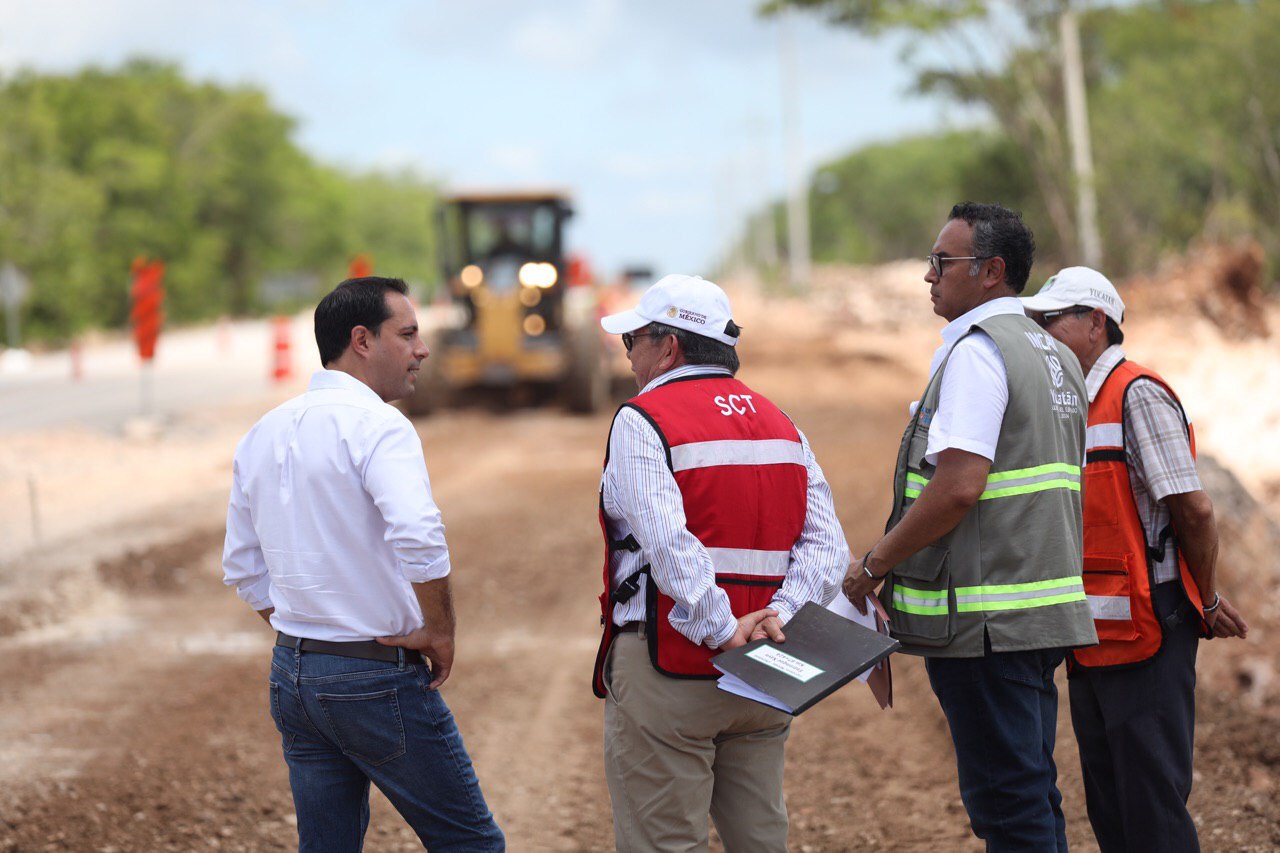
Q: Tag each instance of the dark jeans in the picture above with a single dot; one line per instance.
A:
(345, 722)
(1135, 728)
(1003, 712)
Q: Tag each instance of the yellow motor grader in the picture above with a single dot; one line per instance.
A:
(524, 315)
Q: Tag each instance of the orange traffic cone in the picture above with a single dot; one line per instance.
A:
(282, 361)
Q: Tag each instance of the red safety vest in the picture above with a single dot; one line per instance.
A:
(740, 468)
(1118, 560)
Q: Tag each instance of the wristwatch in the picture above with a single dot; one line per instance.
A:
(1217, 600)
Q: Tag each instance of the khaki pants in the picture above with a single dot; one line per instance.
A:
(677, 749)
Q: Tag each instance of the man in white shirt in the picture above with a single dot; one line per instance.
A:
(720, 527)
(334, 539)
(983, 546)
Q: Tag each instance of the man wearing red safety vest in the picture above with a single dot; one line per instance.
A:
(1150, 544)
(718, 527)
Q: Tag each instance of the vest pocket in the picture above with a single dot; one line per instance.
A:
(1109, 588)
(917, 593)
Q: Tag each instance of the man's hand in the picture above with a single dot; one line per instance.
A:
(1226, 621)
(857, 586)
(435, 638)
(435, 647)
(746, 627)
(771, 627)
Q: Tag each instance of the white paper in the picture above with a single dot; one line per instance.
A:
(735, 685)
(784, 663)
(841, 606)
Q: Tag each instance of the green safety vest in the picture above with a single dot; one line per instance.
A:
(1010, 571)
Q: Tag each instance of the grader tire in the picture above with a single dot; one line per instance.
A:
(586, 382)
(431, 391)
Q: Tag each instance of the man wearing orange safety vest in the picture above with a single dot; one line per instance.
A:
(1150, 544)
(718, 527)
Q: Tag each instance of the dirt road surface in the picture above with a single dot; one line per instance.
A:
(133, 703)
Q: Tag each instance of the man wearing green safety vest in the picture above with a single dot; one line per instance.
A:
(982, 555)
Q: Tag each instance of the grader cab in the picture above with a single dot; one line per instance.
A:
(525, 314)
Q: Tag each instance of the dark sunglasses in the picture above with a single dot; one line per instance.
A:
(936, 261)
(629, 338)
(1048, 318)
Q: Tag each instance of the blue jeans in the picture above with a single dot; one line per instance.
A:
(345, 722)
(1003, 712)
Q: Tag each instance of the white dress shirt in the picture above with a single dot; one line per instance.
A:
(641, 497)
(975, 387)
(331, 516)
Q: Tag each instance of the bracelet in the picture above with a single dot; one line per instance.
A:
(866, 559)
(1217, 600)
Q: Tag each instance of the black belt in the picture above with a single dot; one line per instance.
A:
(363, 649)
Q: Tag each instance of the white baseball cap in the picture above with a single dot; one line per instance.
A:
(686, 302)
(1077, 286)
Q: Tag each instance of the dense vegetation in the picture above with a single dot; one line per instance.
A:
(1184, 103)
(100, 166)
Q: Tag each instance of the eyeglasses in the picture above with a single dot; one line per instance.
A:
(629, 338)
(1048, 318)
(936, 261)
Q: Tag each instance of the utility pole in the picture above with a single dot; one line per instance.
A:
(798, 256)
(1078, 132)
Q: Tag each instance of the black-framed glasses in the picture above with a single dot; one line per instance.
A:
(1047, 318)
(629, 338)
(936, 261)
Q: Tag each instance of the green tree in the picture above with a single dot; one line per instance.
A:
(100, 166)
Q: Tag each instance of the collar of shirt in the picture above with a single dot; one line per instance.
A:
(960, 326)
(338, 380)
(684, 370)
(1101, 369)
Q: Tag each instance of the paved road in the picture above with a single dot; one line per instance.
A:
(193, 368)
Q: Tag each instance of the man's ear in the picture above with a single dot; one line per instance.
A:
(670, 357)
(360, 342)
(995, 272)
(1097, 324)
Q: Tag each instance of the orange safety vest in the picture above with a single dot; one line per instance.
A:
(740, 467)
(1118, 560)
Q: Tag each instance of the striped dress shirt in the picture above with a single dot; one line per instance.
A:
(641, 497)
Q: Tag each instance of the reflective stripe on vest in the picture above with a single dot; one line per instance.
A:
(1111, 607)
(1021, 481)
(973, 599)
(1104, 435)
(708, 454)
(744, 561)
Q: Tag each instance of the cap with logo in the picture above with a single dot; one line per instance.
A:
(1077, 286)
(686, 302)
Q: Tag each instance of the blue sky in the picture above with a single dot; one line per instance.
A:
(663, 117)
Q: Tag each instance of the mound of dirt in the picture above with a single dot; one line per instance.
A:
(1219, 281)
(163, 567)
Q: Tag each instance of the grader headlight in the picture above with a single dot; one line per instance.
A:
(471, 276)
(541, 275)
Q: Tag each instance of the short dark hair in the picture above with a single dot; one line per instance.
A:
(354, 302)
(698, 349)
(1115, 337)
(999, 232)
